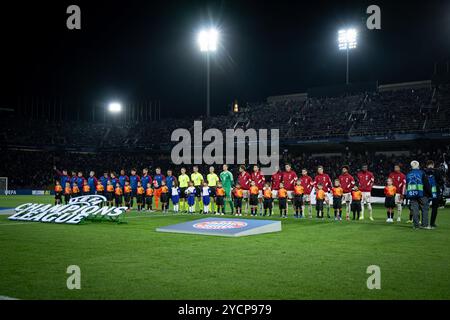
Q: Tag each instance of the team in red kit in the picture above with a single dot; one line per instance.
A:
(345, 194)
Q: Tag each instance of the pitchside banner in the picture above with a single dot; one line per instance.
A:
(77, 210)
(26, 192)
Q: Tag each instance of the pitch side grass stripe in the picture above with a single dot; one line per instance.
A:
(7, 298)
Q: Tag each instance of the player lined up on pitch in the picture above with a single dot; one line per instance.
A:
(250, 193)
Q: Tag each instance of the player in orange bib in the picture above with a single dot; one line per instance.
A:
(320, 200)
(118, 195)
(356, 202)
(58, 193)
(86, 188)
(140, 196)
(389, 202)
(298, 199)
(75, 190)
(338, 193)
(127, 194)
(109, 193)
(238, 194)
(164, 197)
(220, 198)
(67, 193)
(149, 197)
(254, 192)
(268, 200)
(282, 200)
(100, 189)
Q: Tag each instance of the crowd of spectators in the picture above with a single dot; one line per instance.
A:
(364, 114)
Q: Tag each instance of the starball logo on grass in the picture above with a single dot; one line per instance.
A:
(77, 210)
(220, 225)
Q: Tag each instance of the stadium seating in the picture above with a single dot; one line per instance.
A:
(374, 113)
(78, 145)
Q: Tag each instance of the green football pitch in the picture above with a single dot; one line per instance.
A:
(308, 259)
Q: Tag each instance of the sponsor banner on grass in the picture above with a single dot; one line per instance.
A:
(77, 210)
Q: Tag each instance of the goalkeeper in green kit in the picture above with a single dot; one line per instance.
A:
(227, 182)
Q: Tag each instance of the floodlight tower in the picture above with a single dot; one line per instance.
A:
(114, 107)
(347, 40)
(207, 41)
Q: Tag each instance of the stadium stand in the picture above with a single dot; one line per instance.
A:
(33, 146)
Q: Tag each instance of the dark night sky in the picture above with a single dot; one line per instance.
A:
(130, 50)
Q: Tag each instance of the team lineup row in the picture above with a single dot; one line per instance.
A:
(191, 193)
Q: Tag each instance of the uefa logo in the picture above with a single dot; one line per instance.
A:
(220, 225)
(88, 200)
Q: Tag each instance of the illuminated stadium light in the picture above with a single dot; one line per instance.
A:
(207, 40)
(347, 39)
(114, 107)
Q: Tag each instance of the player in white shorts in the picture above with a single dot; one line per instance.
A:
(260, 181)
(325, 180)
(244, 179)
(366, 180)
(347, 183)
(367, 197)
(289, 180)
(275, 194)
(290, 194)
(276, 179)
(308, 185)
(347, 197)
(399, 181)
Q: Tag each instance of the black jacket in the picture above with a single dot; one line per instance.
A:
(438, 177)
(426, 185)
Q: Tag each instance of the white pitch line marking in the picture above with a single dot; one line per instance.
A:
(15, 224)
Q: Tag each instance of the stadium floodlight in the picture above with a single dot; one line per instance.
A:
(347, 40)
(207, 41)
(114, 107)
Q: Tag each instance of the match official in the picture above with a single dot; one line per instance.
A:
(418, 191)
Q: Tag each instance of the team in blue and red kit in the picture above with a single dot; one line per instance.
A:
(159, 188)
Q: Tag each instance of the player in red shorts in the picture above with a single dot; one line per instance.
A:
(347, 183)
(366, 180)
(399, 182)
(308, 184)
(289, 180)
(260, 180)
(324, 179)
(244, 180)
